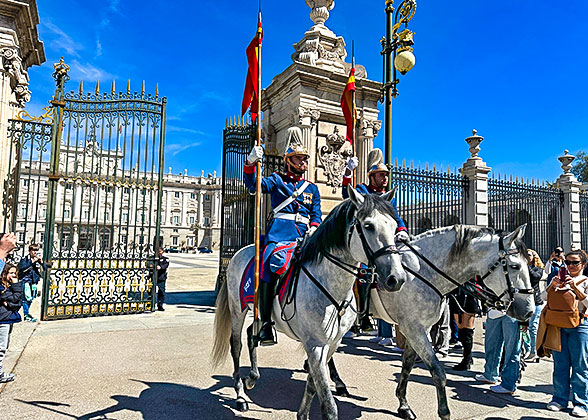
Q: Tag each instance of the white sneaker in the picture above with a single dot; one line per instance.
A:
(553, 406)
(498, 389)
(579, 412)
(375, 339)
(385, 341)
(481, 378)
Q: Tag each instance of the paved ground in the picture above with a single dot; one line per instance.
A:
(156, 366)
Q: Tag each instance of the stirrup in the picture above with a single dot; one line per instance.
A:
(270, 340)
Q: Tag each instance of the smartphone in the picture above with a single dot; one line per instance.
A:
(563, 272)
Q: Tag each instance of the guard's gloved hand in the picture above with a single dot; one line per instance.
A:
(311, 230)
(352, 163)
(255, 155)
(402, 236)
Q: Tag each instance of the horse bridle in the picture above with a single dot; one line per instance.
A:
(478, 290)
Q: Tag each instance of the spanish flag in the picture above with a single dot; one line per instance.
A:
(348, 105)
(251, 83)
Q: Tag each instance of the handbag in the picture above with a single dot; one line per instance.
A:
(562, 308)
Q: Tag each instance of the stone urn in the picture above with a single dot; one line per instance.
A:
(320, 10)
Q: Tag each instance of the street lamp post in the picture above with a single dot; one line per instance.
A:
(397, 54)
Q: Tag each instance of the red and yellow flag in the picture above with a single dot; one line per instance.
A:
(252, 81)
(348, 105)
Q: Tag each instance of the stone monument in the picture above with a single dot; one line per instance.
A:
(307, 95)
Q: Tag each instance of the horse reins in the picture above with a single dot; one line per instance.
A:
(479, 291)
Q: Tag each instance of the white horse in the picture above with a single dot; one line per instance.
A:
(455, 255)
(323, 308)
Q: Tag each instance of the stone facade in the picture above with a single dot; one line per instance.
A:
(20, 48)
(308, 94)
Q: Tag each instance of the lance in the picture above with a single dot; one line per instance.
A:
(354, 111)
(258, 189)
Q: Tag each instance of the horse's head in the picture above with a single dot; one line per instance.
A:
(372, 237)
(507, 273)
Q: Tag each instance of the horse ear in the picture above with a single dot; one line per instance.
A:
(355, 196)
(390, 194)
(518, 233)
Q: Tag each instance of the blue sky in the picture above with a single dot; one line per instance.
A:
(517, 74)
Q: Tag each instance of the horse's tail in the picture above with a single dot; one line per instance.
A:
(222, 327)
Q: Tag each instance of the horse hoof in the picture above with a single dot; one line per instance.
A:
(249, 384)
(342, 391)
(406, 413)
(242, 405)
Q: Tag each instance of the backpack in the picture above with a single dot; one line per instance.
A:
(562, 308)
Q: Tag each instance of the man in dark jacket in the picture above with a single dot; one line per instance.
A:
(29, 272)
(162, 265)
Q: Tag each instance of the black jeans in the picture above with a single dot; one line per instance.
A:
(160, 293)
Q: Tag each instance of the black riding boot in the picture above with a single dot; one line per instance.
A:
(365, 323)
(466, 336)
(266, 299)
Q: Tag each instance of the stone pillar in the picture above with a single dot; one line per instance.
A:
(201, 208)
(20, 49)
(366, 132)
(570, 186)
(167, 208)
(308, 118)
(475, 169)
(184, 208)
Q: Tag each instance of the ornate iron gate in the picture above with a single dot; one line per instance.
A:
(510, 204)
(97, 201)
(429, 199)
(238, 204)
(584, 218)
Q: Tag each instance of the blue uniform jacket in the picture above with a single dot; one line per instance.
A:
(366, 189)
(280, 187)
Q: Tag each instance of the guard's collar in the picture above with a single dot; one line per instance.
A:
(373, 189)
(293, 177)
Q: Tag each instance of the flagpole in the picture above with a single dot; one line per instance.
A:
(354, 111)
(258, 189)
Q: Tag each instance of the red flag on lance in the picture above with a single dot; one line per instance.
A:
(251, 83)
(348, 105)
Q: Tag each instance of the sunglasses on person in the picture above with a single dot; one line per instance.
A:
(568, 262)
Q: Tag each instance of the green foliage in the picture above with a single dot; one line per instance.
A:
(580, 166)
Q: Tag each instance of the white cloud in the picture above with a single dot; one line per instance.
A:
(62, 41)
(98, 48)
(86, 71)
(175, 149)
(176, 129)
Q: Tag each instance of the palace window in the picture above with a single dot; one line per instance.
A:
(25, 182)
(177, 194)
(193, 196)
(176, 220)
(125, 217)
(175, 240)
(207, 221)
(207, 197)
(191, 220)
(66, 214)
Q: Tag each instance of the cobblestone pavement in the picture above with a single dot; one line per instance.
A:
(156, 366)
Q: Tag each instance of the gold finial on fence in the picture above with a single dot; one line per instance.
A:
(113, 90)
(412, 164)
(441, 168)
(426, 166)
(143, 88)
(156, 90)
(225, 123)
(419, 165)
(510, 178)
(434, 168)
(97, 87)
(455, 170)
(129, 87)
(404, 163)
(81, 87)
(396, 162)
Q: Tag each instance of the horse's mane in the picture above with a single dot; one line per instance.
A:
(464, 235)
(332, 234)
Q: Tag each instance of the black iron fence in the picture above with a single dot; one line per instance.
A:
(584, 218)
(512, 203)
(429, 199)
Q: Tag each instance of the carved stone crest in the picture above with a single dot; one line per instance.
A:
(334, 157)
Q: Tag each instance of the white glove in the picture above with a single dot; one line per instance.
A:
(311, 230)
(255, 155)
(352, 163)
(402, 236)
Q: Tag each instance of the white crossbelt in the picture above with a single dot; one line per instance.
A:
(298, 218)
(292, 197)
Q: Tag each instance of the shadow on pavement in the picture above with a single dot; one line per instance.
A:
(200, 298)
(159, 401)
(278, 390)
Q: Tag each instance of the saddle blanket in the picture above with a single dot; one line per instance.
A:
(280, 264)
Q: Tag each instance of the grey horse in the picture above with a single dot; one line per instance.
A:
(360, 229)
(461, 252)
